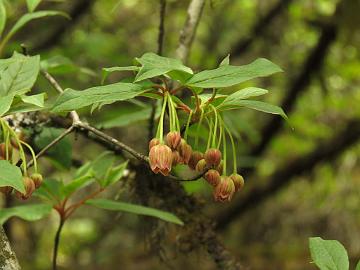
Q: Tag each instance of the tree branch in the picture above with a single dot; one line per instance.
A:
(80, 8)
(188, 32)
(258, 29)
(51, 144)
(329, 150)
(8, 258)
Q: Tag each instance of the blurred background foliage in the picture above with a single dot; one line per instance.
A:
(318, 48)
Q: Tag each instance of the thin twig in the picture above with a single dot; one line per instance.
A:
(112, 140)
(72, 208)
(57, 242)
(51, 144)
(195, 178)
(73, 114)
(188, 32)
(161, 27)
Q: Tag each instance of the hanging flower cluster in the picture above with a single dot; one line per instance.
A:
(12, 150)
(167, 151)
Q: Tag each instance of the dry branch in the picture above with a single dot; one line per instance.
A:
(8, 260)
(189, 30)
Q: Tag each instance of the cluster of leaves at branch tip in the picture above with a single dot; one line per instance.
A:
(12, 179)
(169, 149)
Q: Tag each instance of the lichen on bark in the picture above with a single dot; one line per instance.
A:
(8, 260)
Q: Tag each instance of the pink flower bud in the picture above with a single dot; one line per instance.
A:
(238, 181)
(212, 157)
(176, 158)
(212, 177)
(37, 178)
(194, 159)
(224, 190)
(29, 189)
(153, 142)
(185, 151)
(160, 159)
(173, 139)
(201, 166)
(3, 150)
(220, 168)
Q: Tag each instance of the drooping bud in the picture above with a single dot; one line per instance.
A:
(201, 166)
(14, 142)
(212, 157)
(153, 142)
(3, 150)
(224, 190)
(6, 190)
(37, 178)
(194, 159)
(160, 159)
(173, 139)
(176, 158)
(29, 189)
(212, 177)
(238, 181)
(185, 151)
(220, 168)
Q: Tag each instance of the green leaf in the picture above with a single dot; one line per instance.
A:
(232, 100)
(256, 105)
(328, 254)
(154, 65)
(115, 174)
(32, 16)
(20, 75)
(5, 104)
(101, 166)
(28, 212)
(358, 266)
(121, 116)
(73, 99)
(219, 98)
(24, 107)
(2, 16)
(37, 100)
(77, 184)
(59, 64)
(107, 71)
(32, 4)
(135, 209)
(4, 63)
(83, 170)
(11, 176)
(52, 190)
(61, 153)
(225, 61)
(227, 75)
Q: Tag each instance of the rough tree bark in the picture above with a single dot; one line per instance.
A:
(8, 260)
